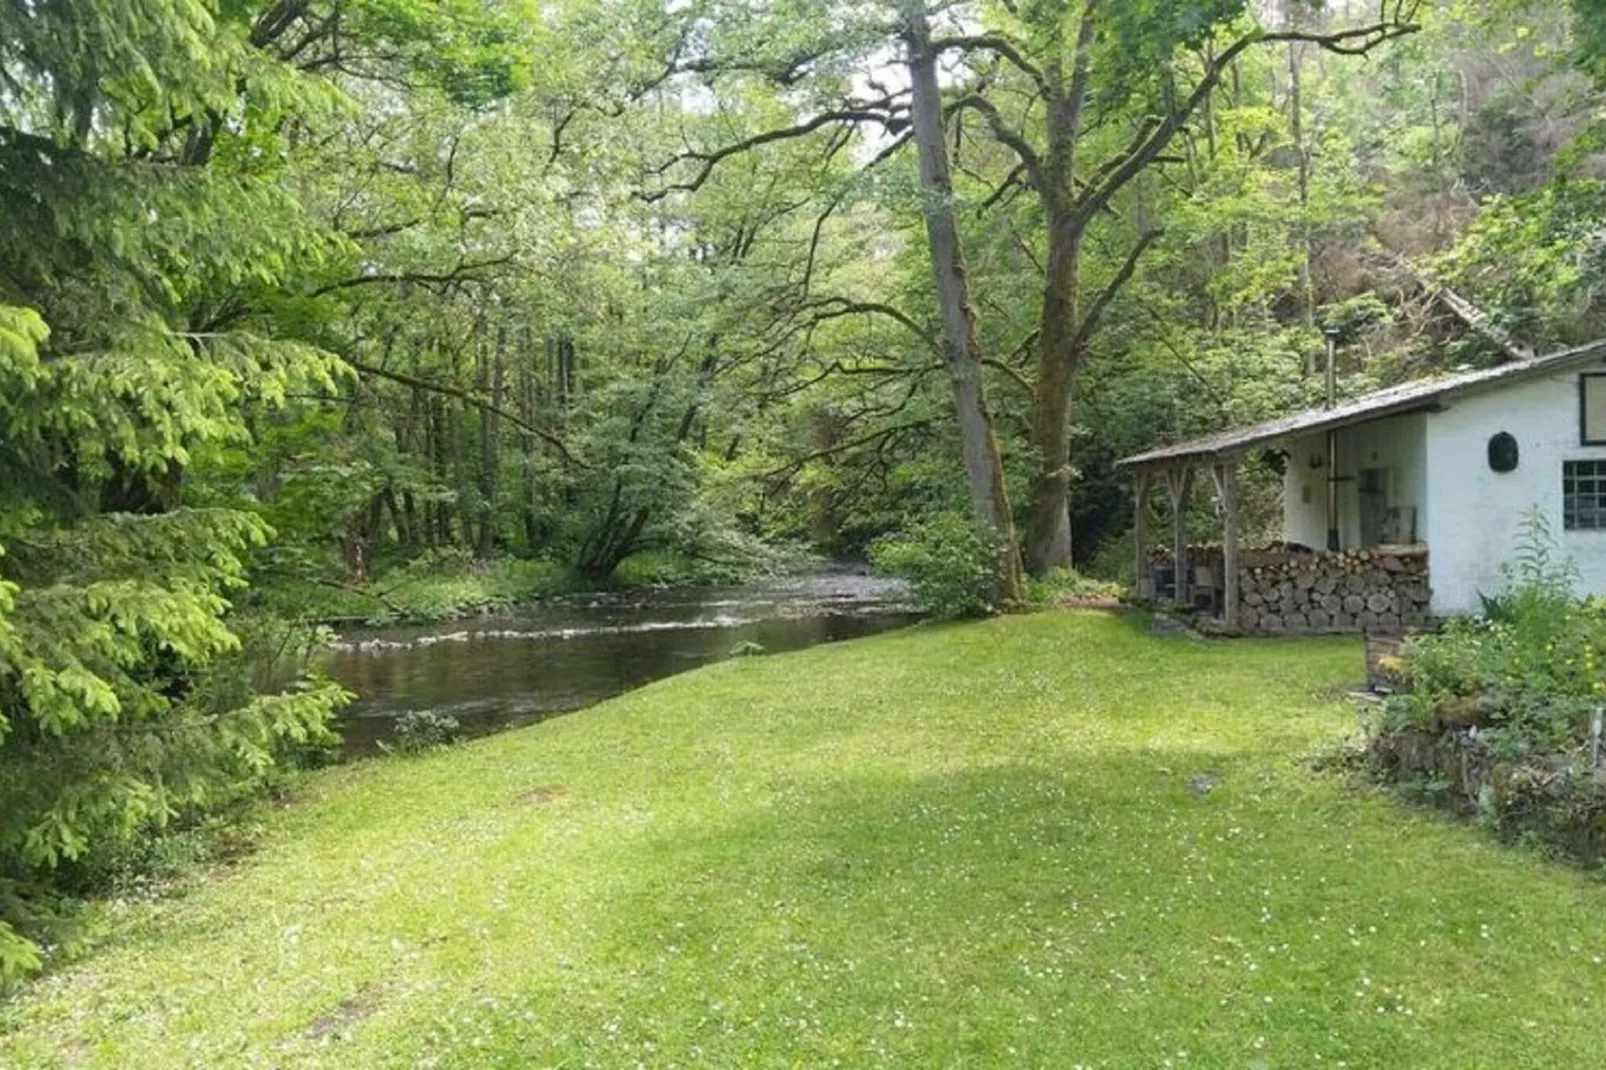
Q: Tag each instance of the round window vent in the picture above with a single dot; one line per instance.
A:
(1503, 452)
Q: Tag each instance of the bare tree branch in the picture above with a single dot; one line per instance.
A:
(387, 229)
(463, 272)
(1020, 380)
(1013, 139)
(1156, 133)
(1000, 46)
(1095, 312)
(1081, 69)
(273, 23)
(791, 467)
(447, 389)
(1011, 182)
(1467, 312)
(708, 161)
(841, 306)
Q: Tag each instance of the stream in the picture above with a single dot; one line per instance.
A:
(531, 662)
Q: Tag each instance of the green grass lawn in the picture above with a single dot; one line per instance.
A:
(959, 846)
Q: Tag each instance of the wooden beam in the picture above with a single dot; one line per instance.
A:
(1227, 487)
(1179, 481)
(1140, 531)
(1480, 322)
(1469, 314)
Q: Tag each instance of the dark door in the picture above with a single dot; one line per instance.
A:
(1373, 484)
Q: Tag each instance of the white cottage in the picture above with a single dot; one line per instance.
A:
(1440, 471)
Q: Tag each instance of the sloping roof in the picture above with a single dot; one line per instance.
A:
(1407, 397)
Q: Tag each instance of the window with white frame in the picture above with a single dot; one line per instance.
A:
(1583, 495)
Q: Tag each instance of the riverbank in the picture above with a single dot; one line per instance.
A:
(1046, 840)
(455, 586)
(514, 666)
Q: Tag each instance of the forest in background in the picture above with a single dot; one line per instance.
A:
(304, 300)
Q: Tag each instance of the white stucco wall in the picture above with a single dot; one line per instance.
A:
(1473, 514)
(1396, 444)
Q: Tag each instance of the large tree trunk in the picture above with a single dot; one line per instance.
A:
(1060, 330)
(491, 446)
(984, 469)
(1296, 132)
(529, 409)
(1048, 534)
(444, 433)
(402, 519)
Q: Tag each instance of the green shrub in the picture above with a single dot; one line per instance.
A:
(1496, 721)
(1527, 672)
(1115, 561)
(949, 564)
(417, 731)
(446, 584)
(667, 568)
(88, 801)
(437, 585)
(1067, 584)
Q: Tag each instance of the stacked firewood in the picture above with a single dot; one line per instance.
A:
(1383, 590)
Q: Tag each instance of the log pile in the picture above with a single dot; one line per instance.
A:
(1383, 589)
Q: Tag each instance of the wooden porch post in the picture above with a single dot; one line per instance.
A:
(1227, 485)
(1140, 531)
(1179, 481)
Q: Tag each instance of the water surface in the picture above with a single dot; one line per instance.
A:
(531, 662)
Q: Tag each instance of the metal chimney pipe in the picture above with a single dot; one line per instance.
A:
(1332, 368)
(1332, 443)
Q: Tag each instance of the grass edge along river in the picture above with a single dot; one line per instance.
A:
(1040, 841)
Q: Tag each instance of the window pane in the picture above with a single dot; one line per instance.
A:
(1594, 407)
(1583, 488)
